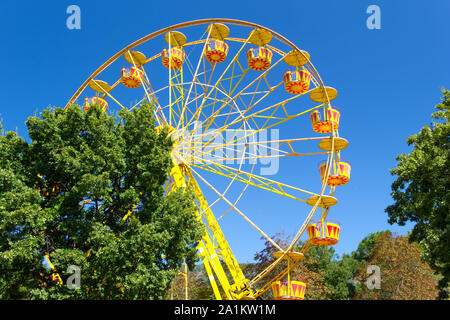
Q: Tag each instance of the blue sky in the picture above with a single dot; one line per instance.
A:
(388, 80)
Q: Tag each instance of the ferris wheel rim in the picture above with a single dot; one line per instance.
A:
(184, 25)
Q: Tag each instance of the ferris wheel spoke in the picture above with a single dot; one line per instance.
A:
(234, 110)
(227, 188)
(253, 179)
(260, 114)
(277, 120)
(209, 120)
(194, 77)
(109, 95)
(252, 151)
(240, 195)
(211, 104)
(112, 87)
(255, 92)
(236, 209)
(178, 100)
(222, 75)
(261, 76)
(205, 96)
(217, 136)
(225, 191)
(271, 109)
(240, 77)
(274, 106)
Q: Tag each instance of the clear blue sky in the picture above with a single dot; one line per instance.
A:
(388, 80)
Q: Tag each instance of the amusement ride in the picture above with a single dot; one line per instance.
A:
(218, 85)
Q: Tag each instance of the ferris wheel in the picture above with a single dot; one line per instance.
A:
(226, 90)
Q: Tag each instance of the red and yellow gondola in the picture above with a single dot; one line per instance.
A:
(339, 173)
(131, 77)
(173, 58)
(324, 233)
(326, 121)
(288, 290)
(260, 58)
(297, 81)
(216, 51)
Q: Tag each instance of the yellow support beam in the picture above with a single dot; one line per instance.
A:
(253, 179)
(210, 252)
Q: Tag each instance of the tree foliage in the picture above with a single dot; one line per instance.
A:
(402, 273)
(330, 277)
(365, 247)
(66, 194)
(421, 191)
(198, 286)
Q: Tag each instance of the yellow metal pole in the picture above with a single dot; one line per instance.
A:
(289, 280)
(185, 275)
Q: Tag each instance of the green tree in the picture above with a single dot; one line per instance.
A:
(337, 272)
(403, 276)
(365, 247)
(67, 193)
(357, 260)
(338, 275)
(326, 276)
(20, 216)
(199, 287)
(422, 191)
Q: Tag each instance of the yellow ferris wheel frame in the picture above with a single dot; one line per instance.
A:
(214, 248)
